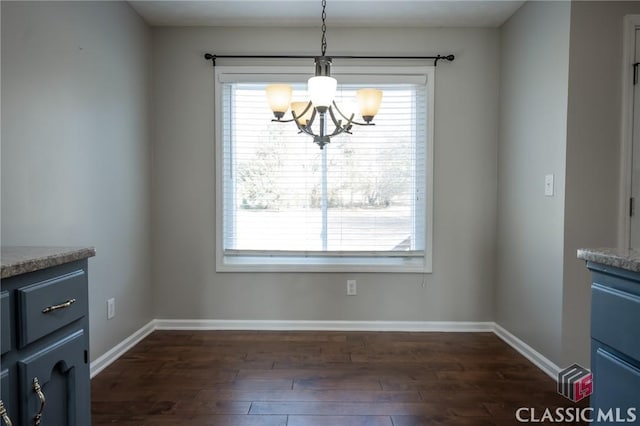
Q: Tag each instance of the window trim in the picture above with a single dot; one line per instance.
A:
(312, 262)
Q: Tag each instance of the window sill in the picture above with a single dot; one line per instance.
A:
(420, 265)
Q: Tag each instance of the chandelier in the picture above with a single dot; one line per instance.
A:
(321, 90)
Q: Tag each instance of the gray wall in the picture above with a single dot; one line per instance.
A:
(593, 155)
(560, 113)
(82, 97)
(533, 110)
(75, 147)
(461, 286)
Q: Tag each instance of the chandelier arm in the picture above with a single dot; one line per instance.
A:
(335, 121)
(363, 124)
(339, 130)
(296, 116)
(309, 105)
(313, 116)
(305, 129)
(350, 120)
(338, 123)
(352, 115)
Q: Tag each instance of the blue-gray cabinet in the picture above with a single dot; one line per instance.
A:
(45, 347)
(615, 342)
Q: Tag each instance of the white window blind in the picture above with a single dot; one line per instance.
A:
(363, 201)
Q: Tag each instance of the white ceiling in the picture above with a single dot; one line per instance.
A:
(358, 13)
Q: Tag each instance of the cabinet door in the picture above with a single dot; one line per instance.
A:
(63, 376)
(8, 397)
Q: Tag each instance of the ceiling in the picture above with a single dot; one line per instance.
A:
(353, 13)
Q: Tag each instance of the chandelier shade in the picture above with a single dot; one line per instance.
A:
(369, 102)
(322, 91)
(302, 112)
(279, 96)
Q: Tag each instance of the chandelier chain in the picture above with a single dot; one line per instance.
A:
(324, 28)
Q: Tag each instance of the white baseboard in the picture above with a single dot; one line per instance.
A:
(118, 350)
(539, 360)
(277, 325)
(525, 350)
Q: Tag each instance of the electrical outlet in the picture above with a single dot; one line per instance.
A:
(352, 289)
(111, 308)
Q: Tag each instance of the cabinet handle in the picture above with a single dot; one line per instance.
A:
(4, 415)
(38, 390)
(60, 306)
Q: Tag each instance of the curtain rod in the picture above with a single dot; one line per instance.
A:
(435, 59)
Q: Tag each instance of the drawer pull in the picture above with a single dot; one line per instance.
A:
(4, 415)
(60, 306)
(38, 390)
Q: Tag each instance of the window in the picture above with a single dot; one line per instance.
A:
(361, 204)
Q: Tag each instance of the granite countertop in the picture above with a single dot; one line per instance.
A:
(22, 259)
(628, 259)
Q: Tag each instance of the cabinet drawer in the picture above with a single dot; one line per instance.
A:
(615, 316)
(615, 384)
(46, 306)
(6, 325)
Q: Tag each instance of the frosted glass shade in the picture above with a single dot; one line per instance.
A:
(279, 96)
(298, 108)
(369, 101)
(322, 90)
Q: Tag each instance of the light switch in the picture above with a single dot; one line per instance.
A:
(548, 185)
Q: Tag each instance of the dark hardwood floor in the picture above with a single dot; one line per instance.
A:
(320, 379)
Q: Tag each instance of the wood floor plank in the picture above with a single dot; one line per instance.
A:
(444, 421)
(201, 420)
(311, 374)
(298, 395)
(356, 384)
(345, 408)
(339, 420)
(257, 384)
(248, 378)
(209, 407)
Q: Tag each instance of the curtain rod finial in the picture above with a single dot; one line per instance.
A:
(210, 57)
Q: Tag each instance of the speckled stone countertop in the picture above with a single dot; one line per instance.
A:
(20, 260)
(628, 259)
